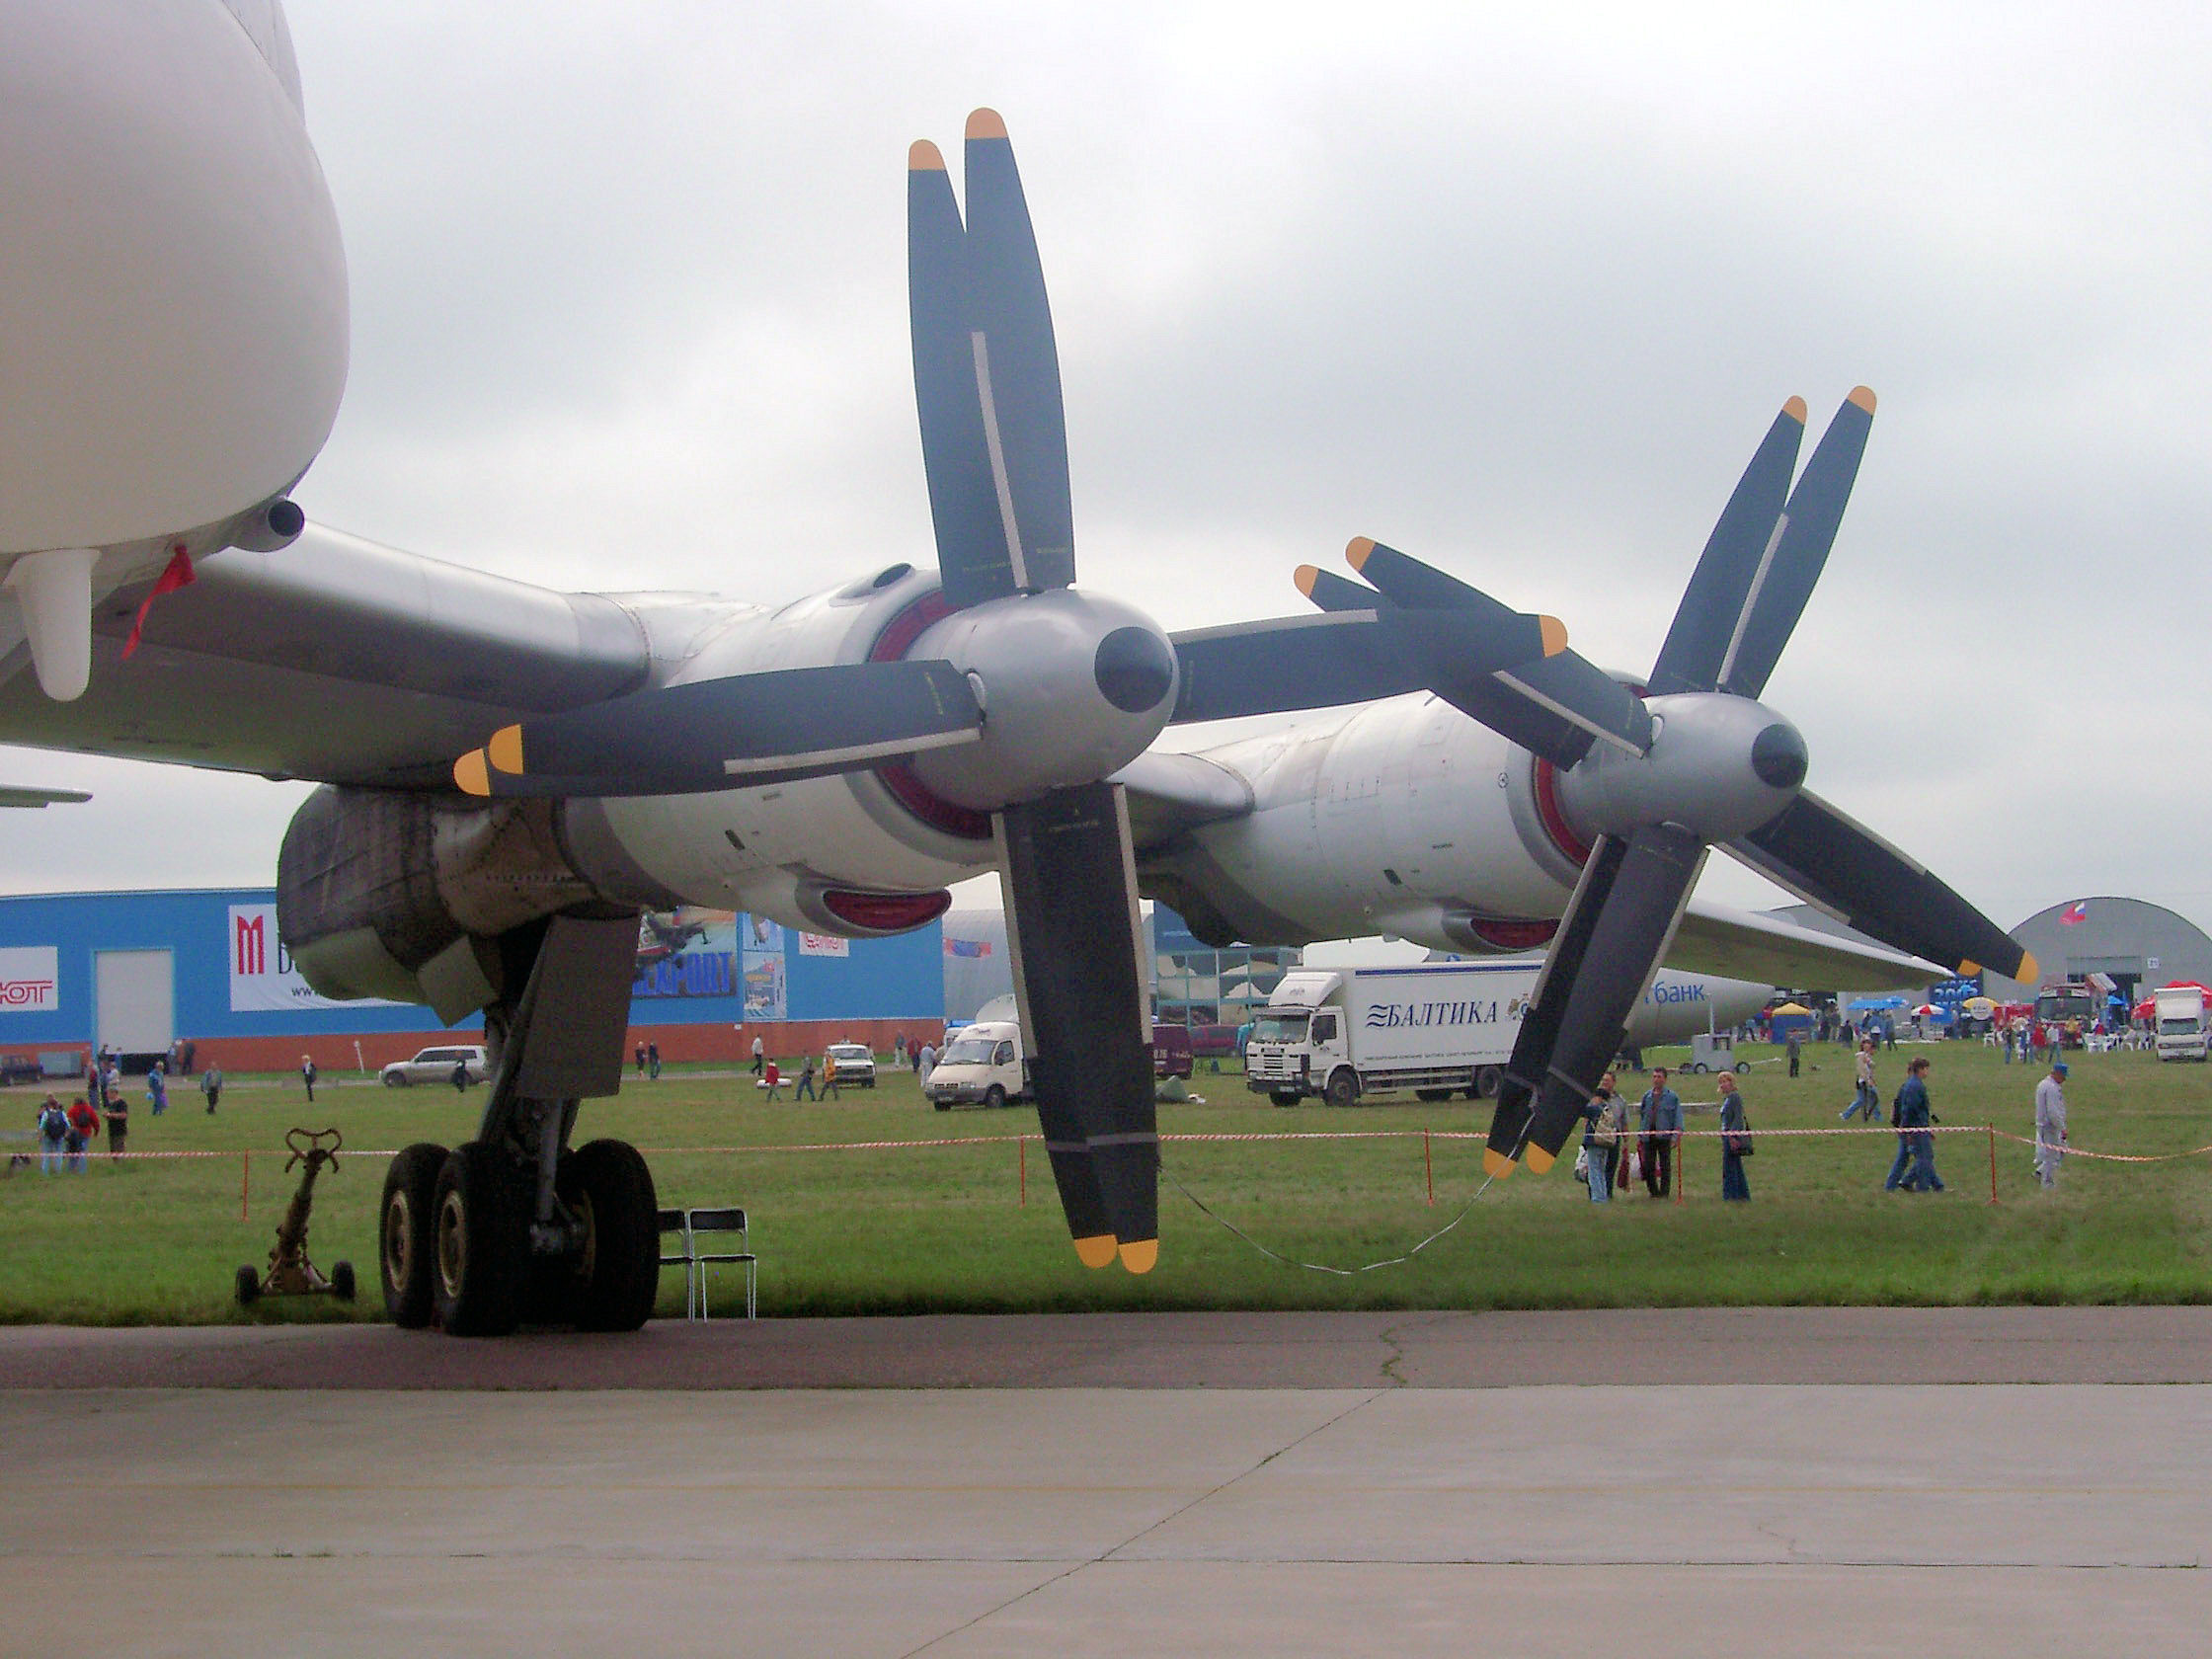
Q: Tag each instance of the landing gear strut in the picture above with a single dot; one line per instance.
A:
(513, 1225)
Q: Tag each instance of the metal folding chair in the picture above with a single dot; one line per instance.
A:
(688, 1225)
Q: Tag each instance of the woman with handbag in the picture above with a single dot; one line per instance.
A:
(1606, 1119)
(1735, 1142)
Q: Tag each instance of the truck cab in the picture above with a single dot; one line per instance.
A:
(983, 1065)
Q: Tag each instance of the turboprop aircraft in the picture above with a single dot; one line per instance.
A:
(512, 774)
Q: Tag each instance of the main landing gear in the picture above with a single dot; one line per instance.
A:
(515, 1226)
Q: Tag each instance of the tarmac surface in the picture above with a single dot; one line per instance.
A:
(1708, 1483)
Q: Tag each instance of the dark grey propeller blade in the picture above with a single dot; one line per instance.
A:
(1072, 921)
(1706, 619)
(1540, 1023)
(1634, 924)
(1845, 868)
(962, 499)
(741, 729)
(1344, 656)
(1567, 686)
(1786, 579)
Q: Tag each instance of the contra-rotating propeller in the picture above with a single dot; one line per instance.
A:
(1022, 697)
(1693, 763)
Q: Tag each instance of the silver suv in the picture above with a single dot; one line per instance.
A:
(435, 1066)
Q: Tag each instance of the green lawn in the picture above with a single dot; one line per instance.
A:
(940, 1228)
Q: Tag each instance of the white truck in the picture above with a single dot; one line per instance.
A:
(981, 1064)
(1441, 1028)
(2181, 1028)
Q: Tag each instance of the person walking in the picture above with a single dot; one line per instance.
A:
(829, 1076)
(1617, 1156)
(1735, 1142)
(1868, 1099)
(211, 1085)
(116, 1111)
(759, 1049)
(772, 1078)
(926, 1062)
(111, 1080)
(1915, 1168)
(804, 1090)
(307, 1076)
(53, 1136)
(1794, 1048)
(1659, 1116)
(157, 1086)
(653, 1061)
(2050, 1124)
(640, 1058)
(458, 1077)
(1607, 1118)
(84, 1124)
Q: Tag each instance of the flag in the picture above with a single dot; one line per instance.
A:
(2078, 912)
(178, 573)
(967, 947)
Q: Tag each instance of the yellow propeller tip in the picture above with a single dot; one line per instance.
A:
(2029, 974)
(1862, 396)
(1967, 970)
(1495, 1162)
(1096, 1250)
(986, 124)
(1140, 1255)
(1795, 410)
(1538, 1160)
(505, 750)
(1555, 635)
(1357, 550)
(924, 157)
(471, 775)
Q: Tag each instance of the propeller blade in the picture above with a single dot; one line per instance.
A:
(1785, 578)
(1548, 1006)
(1071, 878)
(1016, 365)
(1343, 657)
(741, 729)
(1634, 924)
(1712, 605)
(1567, 686)
(962, 499)
(1838, 864)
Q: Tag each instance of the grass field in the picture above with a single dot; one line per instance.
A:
(940, 1228)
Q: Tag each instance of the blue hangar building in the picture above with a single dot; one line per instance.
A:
(141, 972)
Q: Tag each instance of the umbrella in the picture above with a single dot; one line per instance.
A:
(1926, 1009)
(1789, 1009)
(1980, 1007)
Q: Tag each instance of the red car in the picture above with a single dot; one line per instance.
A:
(1171, 1051)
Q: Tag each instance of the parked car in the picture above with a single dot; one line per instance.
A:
(856, 1064)
(1171, 1051)
(435, 1066)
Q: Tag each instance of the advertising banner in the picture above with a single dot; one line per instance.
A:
(824, 945)
(766, 994)
(29, 979)
(686, 952)
(262, 975)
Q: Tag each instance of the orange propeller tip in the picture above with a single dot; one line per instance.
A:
(471, 775)
(1863, 396)
(1495, 1162)
(2029, 974)
(986, 124)
(1305, 577)
(924, 157)
(1140, 1255)
(1356, 551)
(1967, 970)
(505, 750)
(1794, 408)
(1555, 635)
(1096, 1250)
(1538, 1160)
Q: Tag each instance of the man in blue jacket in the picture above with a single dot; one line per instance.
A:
(1659, 1116)
(1916, 1146)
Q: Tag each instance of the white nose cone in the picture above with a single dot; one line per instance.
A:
(172, 287)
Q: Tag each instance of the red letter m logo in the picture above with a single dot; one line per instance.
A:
(252, 952)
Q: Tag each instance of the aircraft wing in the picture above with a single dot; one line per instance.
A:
(26, 795)
(1741, 945)
(333, 660)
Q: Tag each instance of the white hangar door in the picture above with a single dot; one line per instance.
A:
(137, 1000)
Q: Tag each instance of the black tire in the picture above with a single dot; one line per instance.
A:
(397, 1079)
(481, 1246)
(1486, 1083)
(249, 1286)
(995, 1096)
(942, 1105)
(1344, 1087)
(607, 1187)
(1431, 1094)
(1285, 1097)
(342, 1284)
(406, 1234)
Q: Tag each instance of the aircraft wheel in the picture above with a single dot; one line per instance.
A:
(1344, 1087)
(407, 1241)
(479, 1244)
(607, 1185)
(249, 1286)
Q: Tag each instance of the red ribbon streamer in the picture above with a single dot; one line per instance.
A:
(176, 575)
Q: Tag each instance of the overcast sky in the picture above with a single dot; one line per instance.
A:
(1515, 288)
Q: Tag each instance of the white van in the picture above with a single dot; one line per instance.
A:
(983, 1065)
